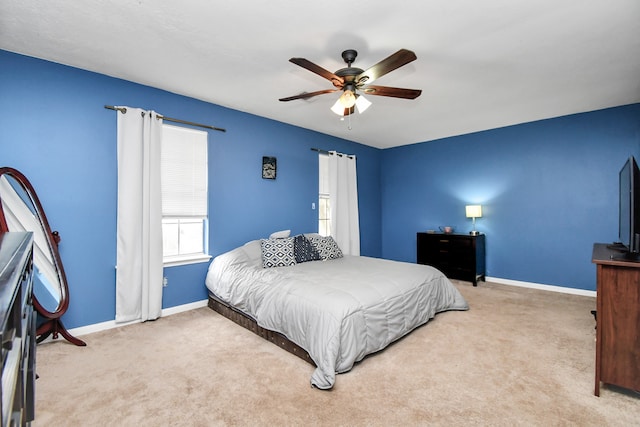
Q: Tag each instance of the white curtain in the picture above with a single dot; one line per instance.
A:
(343, 201)
(139, 246)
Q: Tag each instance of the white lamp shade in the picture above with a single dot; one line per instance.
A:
(474, 211)
(348, 99)
(338, 108)
(362, 103)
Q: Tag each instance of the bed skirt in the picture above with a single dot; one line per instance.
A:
(246, 321)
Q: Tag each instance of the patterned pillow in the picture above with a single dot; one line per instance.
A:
(327, 247)
(304, 250)
(277, 252)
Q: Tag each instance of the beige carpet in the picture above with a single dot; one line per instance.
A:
(518, 357)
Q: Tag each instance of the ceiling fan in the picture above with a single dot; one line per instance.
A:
(350, 80)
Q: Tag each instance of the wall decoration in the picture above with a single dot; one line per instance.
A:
(268, 167)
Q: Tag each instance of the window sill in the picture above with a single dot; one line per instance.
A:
(185, 260)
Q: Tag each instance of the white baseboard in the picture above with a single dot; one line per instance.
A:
(97, 327)
(551, 288)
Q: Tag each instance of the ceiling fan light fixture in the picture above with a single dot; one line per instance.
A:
(348, 101)
(345, 104)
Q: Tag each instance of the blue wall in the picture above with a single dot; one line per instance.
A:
(55, 130)
(549, 190)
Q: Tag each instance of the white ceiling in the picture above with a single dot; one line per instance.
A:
(481, 64)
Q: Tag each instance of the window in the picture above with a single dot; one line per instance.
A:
(324, 213)
(184, 195)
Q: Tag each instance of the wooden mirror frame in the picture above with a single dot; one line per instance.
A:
(52, 324)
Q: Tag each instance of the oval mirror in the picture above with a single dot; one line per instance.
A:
(20, 210)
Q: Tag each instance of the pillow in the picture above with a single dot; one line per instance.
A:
(277, 252)
(253, 251)
(280, 234)
(304, 250)
(327, 247)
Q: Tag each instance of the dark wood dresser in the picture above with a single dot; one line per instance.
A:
(458, 256)
(617, 319)
(18, 331)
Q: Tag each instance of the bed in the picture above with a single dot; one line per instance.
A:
(328, 308)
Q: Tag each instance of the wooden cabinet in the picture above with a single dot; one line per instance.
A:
(458, 256)
(617, 319)
(18, 329)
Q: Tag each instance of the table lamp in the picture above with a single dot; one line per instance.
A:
(474, 211)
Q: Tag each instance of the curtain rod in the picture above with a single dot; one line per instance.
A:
(328, 152)
(169, 119)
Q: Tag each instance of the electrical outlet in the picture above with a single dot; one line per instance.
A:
(313, 206)
(165, 282)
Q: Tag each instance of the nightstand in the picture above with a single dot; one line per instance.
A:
(458, 256)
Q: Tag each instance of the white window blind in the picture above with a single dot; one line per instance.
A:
(184, 172)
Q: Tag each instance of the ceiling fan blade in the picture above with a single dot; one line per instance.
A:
(307, 95)
(395, 92)
(397, 60)
(305, 63)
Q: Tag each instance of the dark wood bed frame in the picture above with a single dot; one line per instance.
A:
(246, 321)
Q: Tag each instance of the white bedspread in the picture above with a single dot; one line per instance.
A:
(339, 310)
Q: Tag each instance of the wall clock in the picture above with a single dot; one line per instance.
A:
(269, 167)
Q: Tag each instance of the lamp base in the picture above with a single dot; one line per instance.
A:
(474, 233)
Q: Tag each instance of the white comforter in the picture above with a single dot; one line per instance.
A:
(339, 310)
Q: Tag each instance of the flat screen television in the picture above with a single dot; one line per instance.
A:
(629, 220)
